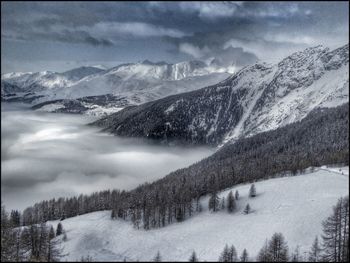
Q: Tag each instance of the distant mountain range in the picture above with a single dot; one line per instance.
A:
(258, 98)
(131, 83)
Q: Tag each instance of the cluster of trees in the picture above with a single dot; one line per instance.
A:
(334, 246)
(36, 242)
(319, 139)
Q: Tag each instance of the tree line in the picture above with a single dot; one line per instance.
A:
(38, 243)
(333, 248)
(319, 139)
(34, 243)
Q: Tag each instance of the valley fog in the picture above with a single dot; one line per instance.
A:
(47, 155)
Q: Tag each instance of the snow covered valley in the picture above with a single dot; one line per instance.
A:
(49, 155)
(295, 206)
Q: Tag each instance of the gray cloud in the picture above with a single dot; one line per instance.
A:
(44, 157)
(267, 30)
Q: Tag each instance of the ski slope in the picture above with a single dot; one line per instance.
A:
(295, 206)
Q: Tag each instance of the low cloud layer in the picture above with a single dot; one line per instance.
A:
(45, 156)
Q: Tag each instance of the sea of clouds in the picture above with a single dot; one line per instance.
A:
(46, 155)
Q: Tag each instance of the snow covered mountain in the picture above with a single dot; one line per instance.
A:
(294, 206)
(135, 82)
(258, 98)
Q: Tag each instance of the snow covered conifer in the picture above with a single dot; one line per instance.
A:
(252, 191)
(65, 236)
(193, 257)
(315, 252)
(278, 248)
(264, 255)
(247, 209)
(296, 256)
(231, 203)
(236, 194)
(157, 258)
(336, 233)
(223, 205)
(228, 254)
(244, 256)
(113, 214)
(224, 257)
(233, 254)
(59, 229)
(214, 202)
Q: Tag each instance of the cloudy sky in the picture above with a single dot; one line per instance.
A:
(62, 35)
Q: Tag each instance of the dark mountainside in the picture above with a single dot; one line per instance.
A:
(319, 139)
(258, 98)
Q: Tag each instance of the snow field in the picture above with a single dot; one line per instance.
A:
(295, 206)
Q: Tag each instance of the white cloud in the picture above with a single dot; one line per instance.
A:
(45, 156)
(193, 51)
(209, 10)
(136, 29)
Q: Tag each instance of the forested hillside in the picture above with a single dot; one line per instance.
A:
(319, 139)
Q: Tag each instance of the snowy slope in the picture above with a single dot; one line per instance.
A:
(257, 98)
(295, 206)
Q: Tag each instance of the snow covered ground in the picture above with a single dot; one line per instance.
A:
(295, 206)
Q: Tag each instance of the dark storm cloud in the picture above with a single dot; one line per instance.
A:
(266, 30)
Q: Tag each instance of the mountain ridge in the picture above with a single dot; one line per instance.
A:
(257, 98)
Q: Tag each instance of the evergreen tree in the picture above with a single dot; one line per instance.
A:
(193, 257)
(113, 214)
(15, 218)
(247, 209)
(59, 229)
(223, 205)
(214, 202)
(237, 195)
(228, 254)
(315, 251)
(252, 191)
(264, 255)
(65, 238)
(224, 257)
(336, 233)
(296, 256)
(278, 249)
(244, 256)
(231, 203)
(233, 254)
(157, 258)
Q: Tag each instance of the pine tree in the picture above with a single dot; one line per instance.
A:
(252, 191)
(228, 254)
(223, 205)
(214, 202)
(224, 257)
(15, 218)
(237, 195)
(315, 251)
(233, 254)
(278, 249)
(264, 255)
(59, 229)
(231, 203)
(296, 256)
(244, 256)
(336, 233)
(65, 238)
(113, 214)
(157, 258)
(193, 257)
(54, 253)
(247, 209)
